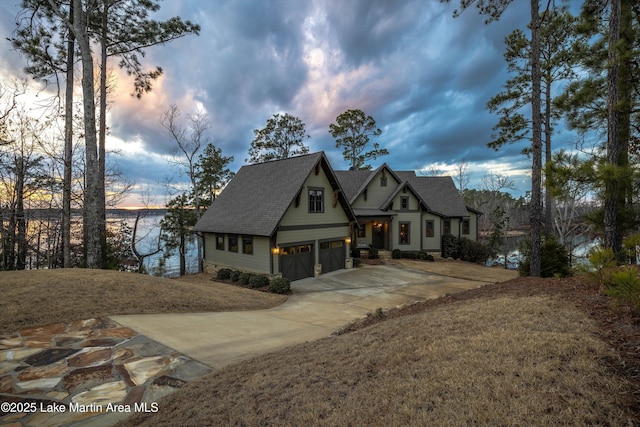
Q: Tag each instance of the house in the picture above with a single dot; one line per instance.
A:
(400, 210)
(298, 217)
(287, 217)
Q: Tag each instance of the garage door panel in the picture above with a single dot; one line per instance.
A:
(296, 262)
(332, 255)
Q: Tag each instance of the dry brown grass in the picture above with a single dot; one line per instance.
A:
(40, 297)
(492, 360)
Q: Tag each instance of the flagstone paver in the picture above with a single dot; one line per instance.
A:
(92, 371)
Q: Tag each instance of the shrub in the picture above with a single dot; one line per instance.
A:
(223, 274)
(396, 254)
(602, 263)
(554, 259)
(258, 281)
(280, 286)
(245, 278)
(425, 256)
(235, 276)
(472, 251)
(355, 253)
(373, 253)
(450, 246)
(357, 262)
(409, 255)
(625, 287)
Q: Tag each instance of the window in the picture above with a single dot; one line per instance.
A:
(247, 245)
(404, 233)
(383, 181)
(446, 226)
(233, 243)
(404, 203)
(430, 228)
(220, 242)
(316, 200)
(362, 231)
(465, 226)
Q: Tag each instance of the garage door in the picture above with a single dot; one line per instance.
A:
(332, 255)
(296, 262)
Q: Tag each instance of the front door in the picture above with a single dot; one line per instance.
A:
(378, 231)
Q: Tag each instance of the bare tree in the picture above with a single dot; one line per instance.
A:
(462, 176)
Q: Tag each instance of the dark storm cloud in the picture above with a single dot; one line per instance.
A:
(424, 76)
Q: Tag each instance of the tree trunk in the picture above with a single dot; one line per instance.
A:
(611, 235)
(68, 150)
(21, 224)
(536, 170)
(548, 199)
(102, 208)
(91, 194)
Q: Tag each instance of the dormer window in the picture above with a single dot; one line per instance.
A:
(383, 181)
(404, 203)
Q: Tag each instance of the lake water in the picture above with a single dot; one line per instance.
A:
(147, 237)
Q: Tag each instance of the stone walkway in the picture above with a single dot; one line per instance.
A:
(92, 372)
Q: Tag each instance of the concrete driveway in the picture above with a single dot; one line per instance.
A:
(316, 308)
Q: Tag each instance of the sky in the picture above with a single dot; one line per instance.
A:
(423, 75)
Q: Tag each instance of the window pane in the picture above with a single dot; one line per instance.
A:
(404, 233)
(429, 228)
(247, 245)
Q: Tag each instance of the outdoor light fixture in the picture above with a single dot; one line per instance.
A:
(347, 240)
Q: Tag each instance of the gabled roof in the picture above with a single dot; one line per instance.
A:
(355, 182)
(439, 193)
(404, 185)
(256, 199)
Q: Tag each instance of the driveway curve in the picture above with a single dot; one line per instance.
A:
(316, 308)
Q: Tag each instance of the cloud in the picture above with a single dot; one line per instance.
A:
(424, 76)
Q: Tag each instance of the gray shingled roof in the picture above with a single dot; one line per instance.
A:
(438, 193)
(255, 200)
(351, 181)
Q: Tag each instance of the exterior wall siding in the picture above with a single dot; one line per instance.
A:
(376, 194)
(431, 243)
(300, 215)
(413, 218)
(258, 262)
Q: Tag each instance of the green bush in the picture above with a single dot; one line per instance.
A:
(355, 253)
(245, 278)
(258, 281)
(625, 287)
(235, 276)
(473, 251)
(425, 256)
(602, 263)
(357, 262)
(280, 286)
(223, 274)
(396, 254)
(409, 255)
(450, 246)
(554, 259)
(373, 253)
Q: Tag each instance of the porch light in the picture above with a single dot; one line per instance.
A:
(275, 250)
(347, 240)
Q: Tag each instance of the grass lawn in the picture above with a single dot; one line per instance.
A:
(41, 297)
(520, 353)
(523, 352)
